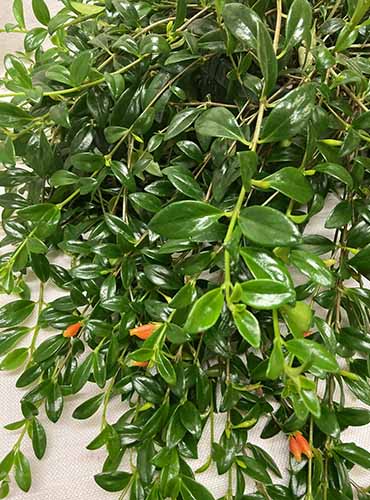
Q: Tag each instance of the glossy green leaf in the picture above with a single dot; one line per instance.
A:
(12, 115)
(360, 261)
(192, 490)
(328, 423)
(248, 165)
(184, 182)
(267, 59)
(38, 438)
(181, 8)
(113, 481)
(16, 312)
(254, 469)
(88, 408)
(190, 418)
(242, 22)
(49, 347)
(291, 182)
(184, 219)
(264, 265)
(354, 454)
(41, 11)
(312, 266)
(180, 122)
(311, 401)
(268, 227)
(22, 471)
(266, 294)
(86, 9)
(80, 68)
(205, 312)
(305, 349)
(336, 171)
(219, 122)
(166, 370)
(18, 12)
(290, 116)
(247, 325)
(14, 359)
(298, 23)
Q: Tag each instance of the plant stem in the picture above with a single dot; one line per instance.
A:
(278, 24)
(237, 208)
(83, 86)
(37, 326)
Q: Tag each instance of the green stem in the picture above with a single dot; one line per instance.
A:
(278, 24)
(20, 438)
(237, 208)
(13, 31)
(83, 86)
(37, 326)
(107, 396)
(275, 321)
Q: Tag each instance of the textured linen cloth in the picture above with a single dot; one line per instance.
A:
(67, 469)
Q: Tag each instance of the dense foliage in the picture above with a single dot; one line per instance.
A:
(176, 152)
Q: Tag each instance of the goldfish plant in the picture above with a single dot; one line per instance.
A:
(182, 156)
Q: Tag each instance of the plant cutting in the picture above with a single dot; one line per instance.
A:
(176, 153)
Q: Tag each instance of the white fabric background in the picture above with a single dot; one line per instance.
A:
(66, 472)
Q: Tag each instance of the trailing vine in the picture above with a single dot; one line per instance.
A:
(176, 153)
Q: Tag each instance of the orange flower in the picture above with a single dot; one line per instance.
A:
(295, 448)
(143, 331)
(143, 364)
(308, 333)
(304, 445)
(72, 330)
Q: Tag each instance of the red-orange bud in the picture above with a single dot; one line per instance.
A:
(72, 330)
(143, 331)
(308, 333)
(304, 445)
(295, 448)
(143, 364)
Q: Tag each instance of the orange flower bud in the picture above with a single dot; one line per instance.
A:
(308, 333)
(72, 330)
(143, 331)
(143, 364)
(295, 448)
(304, 445)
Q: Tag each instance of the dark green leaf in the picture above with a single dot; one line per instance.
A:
(290, 116)
(184, 219)
(354, 454)
(268, 227)
(22, 471)
(88, 408)
(113, 481)
(267, 59)
(298, 23)
(38, 438)
(14, 313)
(291, 182)
(219, 122)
